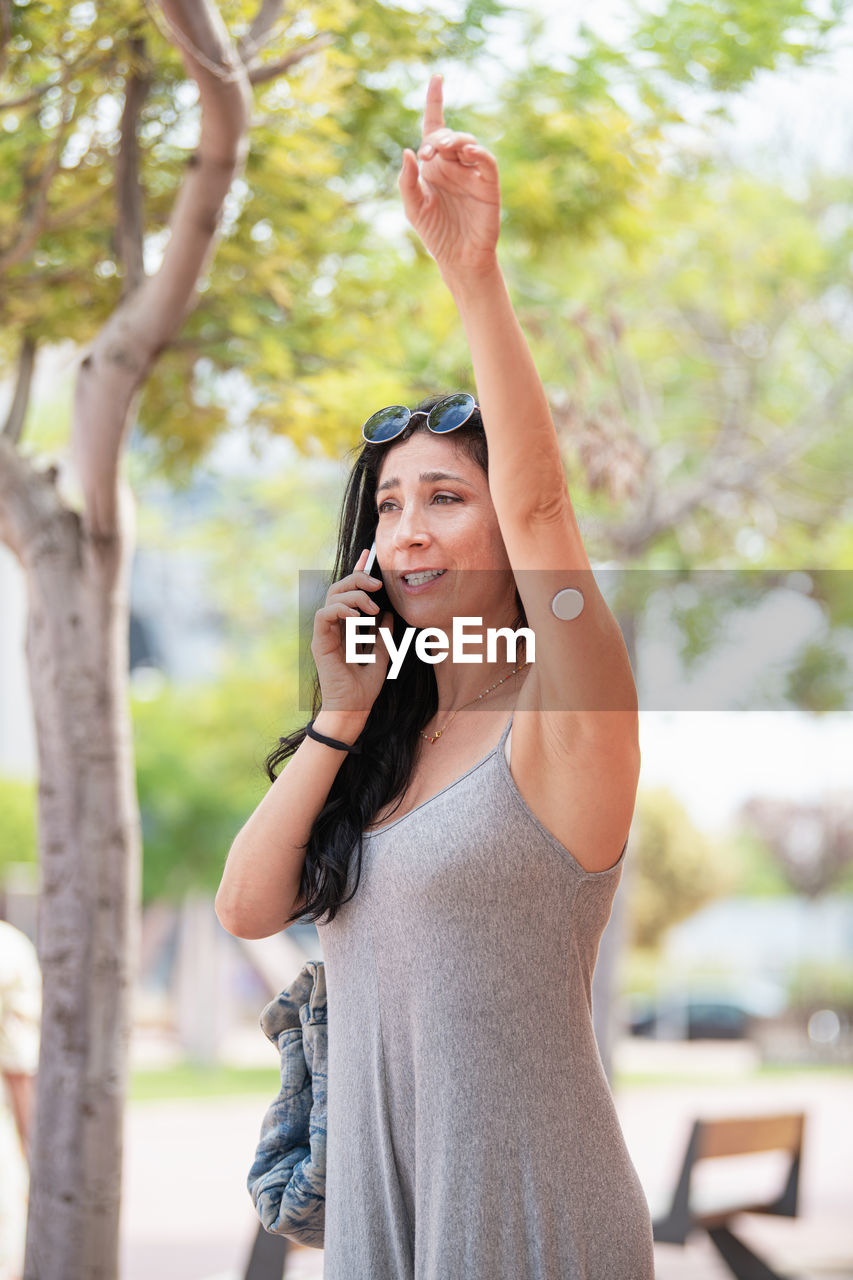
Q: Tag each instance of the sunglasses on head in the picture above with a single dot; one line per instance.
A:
(451, 412)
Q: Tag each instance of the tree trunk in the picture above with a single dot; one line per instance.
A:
(77, 647)
(77, 570)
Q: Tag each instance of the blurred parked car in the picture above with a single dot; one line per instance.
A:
(697, 1018)
(706, 1014)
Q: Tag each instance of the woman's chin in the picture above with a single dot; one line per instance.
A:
(422, 617)
(423, 613)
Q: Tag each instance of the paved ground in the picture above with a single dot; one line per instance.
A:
(187, 1215)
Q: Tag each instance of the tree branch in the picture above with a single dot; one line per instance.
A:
(734, 464)
(82, 63)
(29, 502)
(266, 71)
(145, 323)
(129, 228)
(69, 214)
(263, 22)
(32, 223)
(12, 104)
(5, 30)
(14, 423)
(225, 103)
(729, 474)
(629, 379)
(742, 385)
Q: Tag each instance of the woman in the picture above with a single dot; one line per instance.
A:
(20, 1012)
(458, 832)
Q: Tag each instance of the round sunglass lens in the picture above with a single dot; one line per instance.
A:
(386, 424)
(451, 412)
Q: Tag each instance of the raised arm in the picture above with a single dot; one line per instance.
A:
(452, 199)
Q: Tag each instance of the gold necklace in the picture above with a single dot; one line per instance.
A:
(431, 738)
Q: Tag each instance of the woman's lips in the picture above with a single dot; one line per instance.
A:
(420, 580)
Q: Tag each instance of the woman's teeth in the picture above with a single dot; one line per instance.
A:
(416, 579)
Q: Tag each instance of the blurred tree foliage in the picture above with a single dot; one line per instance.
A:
(246, 537)
(676, 869)
(199, 765)
(811, 842)
(200, 746)
(720, 44)
(306, 301)
(18, 829)
(691, 321)
(758, 873)
(325, 140)
(697, 360)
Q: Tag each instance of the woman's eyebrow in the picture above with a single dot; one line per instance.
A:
(426, 477)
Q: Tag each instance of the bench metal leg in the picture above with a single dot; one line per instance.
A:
(740, 1260)
(267, 1258)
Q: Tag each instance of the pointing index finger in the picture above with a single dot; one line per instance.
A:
(433, 114)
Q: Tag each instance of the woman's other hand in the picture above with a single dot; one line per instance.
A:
(453, 198)
(349, 686)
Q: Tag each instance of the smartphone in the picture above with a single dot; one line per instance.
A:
(382, 601)
(379, 596)
(371, 559)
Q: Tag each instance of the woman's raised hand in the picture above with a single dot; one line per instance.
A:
(453, 198)
(348, 686)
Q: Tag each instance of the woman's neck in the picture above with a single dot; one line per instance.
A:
(460, 683)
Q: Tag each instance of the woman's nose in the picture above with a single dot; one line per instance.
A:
(411, 528)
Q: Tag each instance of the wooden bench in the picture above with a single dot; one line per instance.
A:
(717, 1139)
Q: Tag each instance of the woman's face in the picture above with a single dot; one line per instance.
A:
(435, 513)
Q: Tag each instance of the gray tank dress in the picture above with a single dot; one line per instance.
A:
(471, 1132)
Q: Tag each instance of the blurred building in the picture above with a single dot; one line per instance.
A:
(172, 629)
(764, 937)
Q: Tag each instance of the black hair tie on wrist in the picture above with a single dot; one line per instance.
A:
(311, 732)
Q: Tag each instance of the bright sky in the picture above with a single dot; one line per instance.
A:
(783, 119)
(713, 760)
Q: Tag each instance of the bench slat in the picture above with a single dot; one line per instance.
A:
(744, 1135)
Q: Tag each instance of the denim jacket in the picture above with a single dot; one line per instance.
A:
(287, 1180)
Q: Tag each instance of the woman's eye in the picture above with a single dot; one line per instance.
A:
(390, 505)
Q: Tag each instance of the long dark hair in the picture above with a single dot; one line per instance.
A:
(380, 773)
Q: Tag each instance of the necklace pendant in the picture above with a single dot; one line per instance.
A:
(435, 737)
